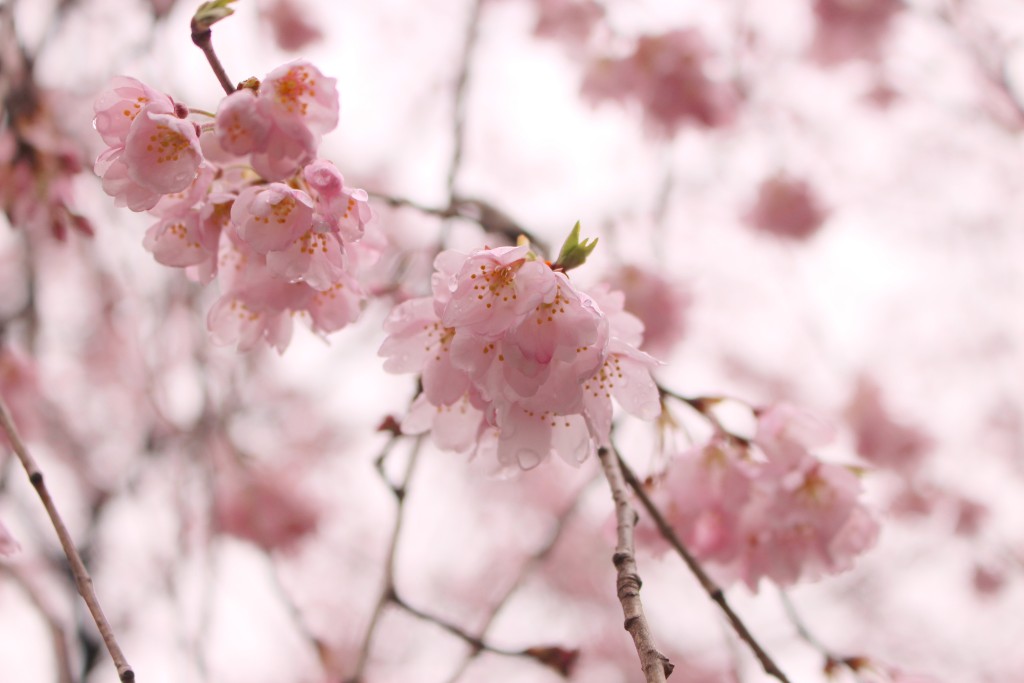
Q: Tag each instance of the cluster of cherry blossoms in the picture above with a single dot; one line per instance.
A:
(783, 514)
(243, 195)
(516, 362)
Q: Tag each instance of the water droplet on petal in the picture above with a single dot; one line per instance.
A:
(527, 459)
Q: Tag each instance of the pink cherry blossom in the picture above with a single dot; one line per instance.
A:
(417, 342)
(281, 123)
(882, 440)
(659, 303)
(786, 433)
(791, 517)
(264, 506)
(495, 289)
(570, 21)
(300, 97)
(241, 126)
(507, 348)
(271, 217)
(341, 209)
(178, 241)
(292, 24)
(666, 76)
(704, 491)
(803, 522)
(21, 390)
(119, 105)
(851, 29)
(161, 155)
(38, 165)
(786, 207)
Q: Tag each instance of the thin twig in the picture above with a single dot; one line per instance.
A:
(387, 591)
(203, 39)
(474, 642)
(710, 587)
(832, 660)
(655, 665)
(82, 579)
(524, 571)
(483, 213)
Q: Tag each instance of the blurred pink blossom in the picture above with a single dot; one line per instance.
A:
(786, 207)
(882, 440)
(661, 305)
(988, 579)
(265, 506)
(851, 29)
(666, 76)
(292, 24)
(787, 519)
(20, 388)
(569, 21)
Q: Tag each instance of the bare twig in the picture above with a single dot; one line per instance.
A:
(388, 589)
(82, 579)
(486, 215)
(524, 571)
(832, 660)
(710, 587)
(655, 665)
(703, 405)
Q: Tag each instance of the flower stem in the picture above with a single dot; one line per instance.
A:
(203, 38)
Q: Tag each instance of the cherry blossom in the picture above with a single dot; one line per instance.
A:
(789, 518)
(659, 303)
(281, 123)
(512, 353)
(264, 506)
(291, 24)
(850, 29)
(882, 440)
(786, 207)
(666, 76)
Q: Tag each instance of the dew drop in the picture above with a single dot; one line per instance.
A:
(527, 459)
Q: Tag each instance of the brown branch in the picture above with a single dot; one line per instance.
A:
(710, 587)
(82, 579)
(655, 665)
(388, 589)
(483, 213)
(203, 39)
(703, 406)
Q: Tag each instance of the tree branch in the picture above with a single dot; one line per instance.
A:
(710, 587)
(82, 579)
(655, 665)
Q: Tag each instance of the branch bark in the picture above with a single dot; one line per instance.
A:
(655, 665)
(713, 590)
(82, 579)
